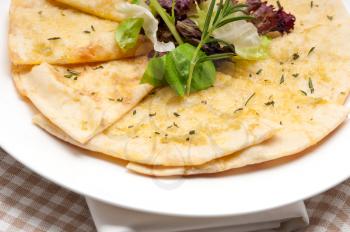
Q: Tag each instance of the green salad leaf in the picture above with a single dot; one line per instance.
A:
(155, 72)
(173, 69)
(128, 32)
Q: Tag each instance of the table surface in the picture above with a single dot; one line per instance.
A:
(29, 202)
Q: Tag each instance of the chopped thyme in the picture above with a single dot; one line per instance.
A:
(239, 109)
(311, 50)
(250, 75)
(134, 112)
(93, 28)
(295, 75)
(311, 86)
(250, 98)
(111, 99)
(157, 133)
(40, 12)
(204, 102)
(131, 126)
(192, 132)
(187, 139)
(176, 114)
(73, 72)
(312, 4)
(342, 93)
(270, 103)
(282, 79)
(330, 17)
(54, 38)
(152, 115)
(303, 92)
(87, 32)
(120, 99)
(98, 67)
(259, 72)
(281, 123)
(296, 56)
(175, 125)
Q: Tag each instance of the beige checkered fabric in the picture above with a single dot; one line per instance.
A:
(330, 211)
(30, 203)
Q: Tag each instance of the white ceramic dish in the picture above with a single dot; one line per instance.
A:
(244, 192)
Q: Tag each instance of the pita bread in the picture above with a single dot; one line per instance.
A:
(169, 130)
(106, 9)
(42, 31)
(84, 100)
(318, 50)
(327, 66)
(314, 122)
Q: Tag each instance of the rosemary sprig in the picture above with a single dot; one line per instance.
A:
(168, 20)
(224, 14)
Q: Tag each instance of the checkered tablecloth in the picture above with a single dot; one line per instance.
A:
(30, 203)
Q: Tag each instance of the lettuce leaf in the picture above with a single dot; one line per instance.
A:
(150, 24)
(255, 52)
(128, 32)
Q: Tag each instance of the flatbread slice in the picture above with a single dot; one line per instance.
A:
(42, 31)
(84, 100)
(306, 126)
(106, 9)
(314, 59)
(169, 130)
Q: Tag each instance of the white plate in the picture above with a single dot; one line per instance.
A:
(244, 192)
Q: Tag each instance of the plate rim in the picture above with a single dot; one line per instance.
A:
(10, 151)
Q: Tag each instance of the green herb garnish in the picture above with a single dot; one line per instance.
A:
(282, 79)
(72, 73)
(173, 69)
(303, 92)
(168, 20)
(296, 56)
(270, 103)
(311, 86)
(311, 50)
(329, 17)
(250, 98)
(237, 110)
(54, 38)
(224, 14)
